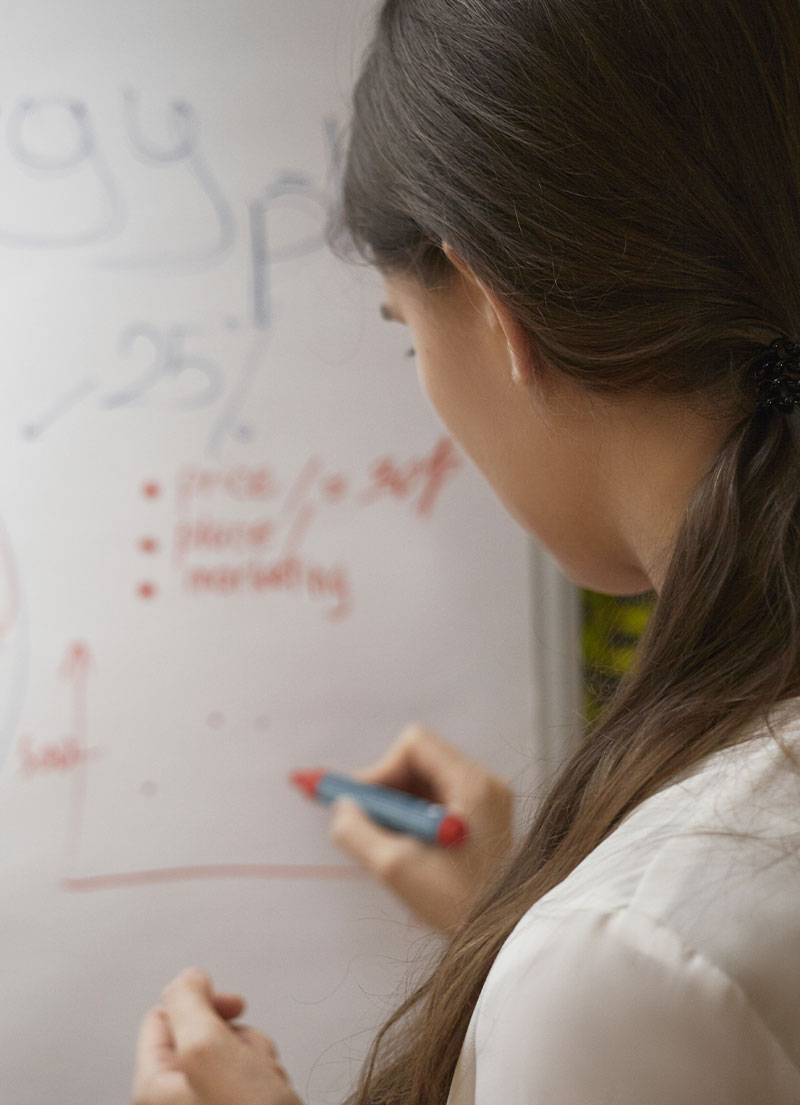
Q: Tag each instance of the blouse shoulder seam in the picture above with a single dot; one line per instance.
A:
(659, 922)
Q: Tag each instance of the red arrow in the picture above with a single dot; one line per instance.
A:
(75, 667)
(77, 659)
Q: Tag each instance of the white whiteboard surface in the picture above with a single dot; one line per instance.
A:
(234, 541)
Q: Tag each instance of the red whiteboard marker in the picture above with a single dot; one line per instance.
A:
(394, 809)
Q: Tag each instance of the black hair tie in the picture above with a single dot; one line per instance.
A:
(777, 376)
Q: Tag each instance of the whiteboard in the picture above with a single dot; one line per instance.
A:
(234, 541)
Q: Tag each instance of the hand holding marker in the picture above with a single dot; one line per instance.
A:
(394, 809)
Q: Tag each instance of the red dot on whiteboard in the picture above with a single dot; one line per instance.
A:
(148, 545)
(335, 488)
(147, 590)
(151, 490)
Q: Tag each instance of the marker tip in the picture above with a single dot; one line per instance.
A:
(307, 780)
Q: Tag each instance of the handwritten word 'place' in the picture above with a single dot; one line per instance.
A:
(210, 535)
(288, 574)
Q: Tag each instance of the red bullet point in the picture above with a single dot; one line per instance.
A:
(147, 590)
(335, 488)
(148, 545)
(151, 490)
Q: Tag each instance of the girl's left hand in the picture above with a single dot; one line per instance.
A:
(189, 1054)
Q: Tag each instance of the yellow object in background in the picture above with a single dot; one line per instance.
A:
(611, 630)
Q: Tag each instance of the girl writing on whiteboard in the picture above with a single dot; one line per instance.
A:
(587, 212)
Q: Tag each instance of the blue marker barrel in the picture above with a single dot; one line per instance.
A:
(403, 813)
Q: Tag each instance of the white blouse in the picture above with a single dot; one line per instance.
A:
(665, 969)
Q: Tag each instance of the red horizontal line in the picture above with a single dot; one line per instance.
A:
(211, 871)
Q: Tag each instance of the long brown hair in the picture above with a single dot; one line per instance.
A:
(625, 174)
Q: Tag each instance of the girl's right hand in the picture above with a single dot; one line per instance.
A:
(439, 884)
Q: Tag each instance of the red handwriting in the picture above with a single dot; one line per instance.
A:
(210, 535)
(288, 574)
(426, 476)
(241, 483)
(216, 553)
(64, 755)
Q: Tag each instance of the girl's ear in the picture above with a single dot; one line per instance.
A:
(499, 317)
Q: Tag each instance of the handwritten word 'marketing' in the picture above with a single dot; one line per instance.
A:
(288, 574)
